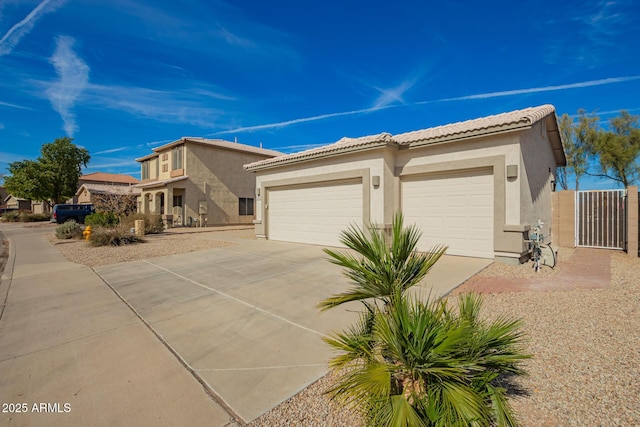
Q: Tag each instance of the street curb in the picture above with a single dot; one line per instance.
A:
(7, 275)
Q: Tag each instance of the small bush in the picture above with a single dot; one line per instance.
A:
(152, 223)
(24, 216)
(11, 216)
(34, 217)
(113, 236)
(69, 230)
(101, 219)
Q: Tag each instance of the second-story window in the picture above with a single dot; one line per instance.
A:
(145, 169)
(177, 158)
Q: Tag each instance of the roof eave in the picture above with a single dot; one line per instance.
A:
(312, 157)
(555, 137)
(162, 183)
(147, 157)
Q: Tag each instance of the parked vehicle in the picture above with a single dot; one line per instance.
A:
(68, 212)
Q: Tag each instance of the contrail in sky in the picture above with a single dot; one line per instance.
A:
(12, 37)
(459, 98)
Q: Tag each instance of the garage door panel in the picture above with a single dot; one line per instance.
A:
(314, 214)
(452, 209)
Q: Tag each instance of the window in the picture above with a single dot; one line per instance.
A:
(177, 158)
(145, 169)
(246, 206)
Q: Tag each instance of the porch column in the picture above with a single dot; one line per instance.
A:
(168, 207)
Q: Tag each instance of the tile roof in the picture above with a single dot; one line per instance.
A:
(343, 145)
(220, 143)
(514, 120)
(484, 125)
(108, 189)
(109, 177)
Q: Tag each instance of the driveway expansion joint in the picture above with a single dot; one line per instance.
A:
(207, 388)
(225, 295)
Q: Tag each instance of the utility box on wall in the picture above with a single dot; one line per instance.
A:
(202, 207)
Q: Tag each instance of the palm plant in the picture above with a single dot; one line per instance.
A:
(379, 266)
(415, 363)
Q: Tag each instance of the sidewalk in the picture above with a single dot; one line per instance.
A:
(72, 353)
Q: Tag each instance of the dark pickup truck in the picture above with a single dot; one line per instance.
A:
(64, 212)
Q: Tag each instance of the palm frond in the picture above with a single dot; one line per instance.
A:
(502, 410)
(379, 267)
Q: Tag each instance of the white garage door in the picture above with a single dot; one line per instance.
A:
(314, 214)
(452, 209)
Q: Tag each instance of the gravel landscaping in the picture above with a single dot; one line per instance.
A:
(586, 347)
(176, 241)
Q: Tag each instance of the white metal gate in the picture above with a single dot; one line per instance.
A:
(601, 219)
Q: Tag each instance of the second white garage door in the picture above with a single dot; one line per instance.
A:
(314, 214)
(452, 209)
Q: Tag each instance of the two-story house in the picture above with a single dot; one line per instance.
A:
(198, 181)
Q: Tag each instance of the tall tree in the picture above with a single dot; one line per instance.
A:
(579, 138)
(53, 176)
(618, 149)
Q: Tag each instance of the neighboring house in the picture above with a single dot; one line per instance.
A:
(16, 203)
(108, 195)
(40, 207)
(200, 181)
(104, 184)
(3, 195)
(476, 186)
(107, 178)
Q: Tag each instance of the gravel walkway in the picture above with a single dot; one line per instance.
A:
(586, 365)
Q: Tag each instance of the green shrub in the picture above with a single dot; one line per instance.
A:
(69, 230)
(102, 219)
(113, 236)
(152, 223)
(11, 216)
(407, 362)
(24, 216)
(33, 217)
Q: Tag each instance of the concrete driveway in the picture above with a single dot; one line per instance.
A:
(243, 318)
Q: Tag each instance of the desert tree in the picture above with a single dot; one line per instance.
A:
(618, 149)
(53, 177)
(579, 136)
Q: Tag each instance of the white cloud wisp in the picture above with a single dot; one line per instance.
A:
(73, 78)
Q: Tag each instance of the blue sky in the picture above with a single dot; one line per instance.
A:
(123, 76)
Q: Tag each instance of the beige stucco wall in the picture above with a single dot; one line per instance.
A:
(536, 173)
(40, 207)
(217, 176)
(84, 197)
